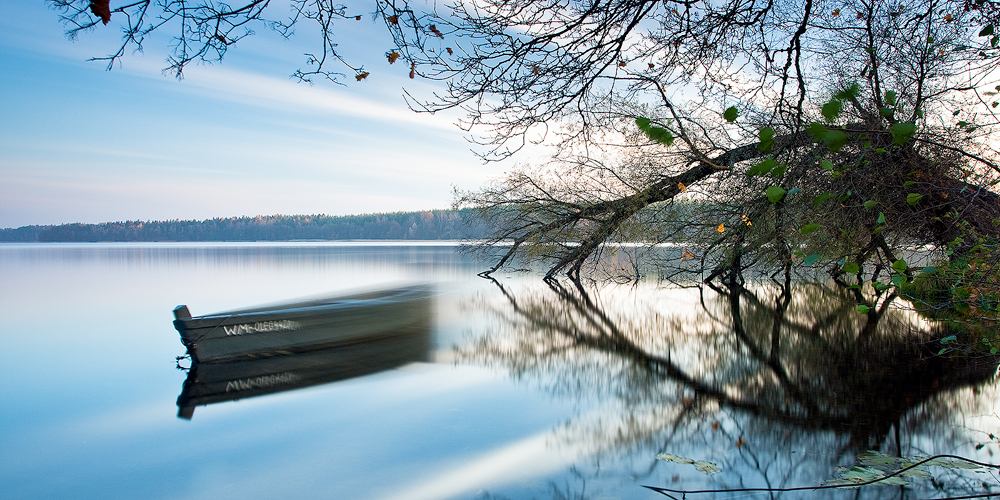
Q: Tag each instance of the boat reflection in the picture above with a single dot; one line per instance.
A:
(252, 352)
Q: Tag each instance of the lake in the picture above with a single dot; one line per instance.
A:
(527, 389)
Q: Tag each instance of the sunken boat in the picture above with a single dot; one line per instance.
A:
(303, 326)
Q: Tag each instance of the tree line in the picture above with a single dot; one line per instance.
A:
(423, 225)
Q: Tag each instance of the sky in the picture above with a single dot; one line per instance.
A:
(79, 143)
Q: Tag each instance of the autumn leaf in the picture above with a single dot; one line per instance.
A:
(450, 52)
(651, 65)
(740, 442)
(435, 31)
(681, 186)
(836, 12)
(721, 228)
(413, 70)
(715, 426)
(948, 18)
(622, 64)
(392, 56)
(361, 76)
(393, 19)
(357, 18)
(534, 69)
(101, 9)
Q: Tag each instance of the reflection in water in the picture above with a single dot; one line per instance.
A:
(748, 375)
(252, 352)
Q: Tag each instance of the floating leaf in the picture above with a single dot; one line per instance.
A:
(674, 458)
(809, 228)
(913, 198)
(706, 467)
(730, 114)
(775, 193)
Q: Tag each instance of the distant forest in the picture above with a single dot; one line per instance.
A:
(427, 225)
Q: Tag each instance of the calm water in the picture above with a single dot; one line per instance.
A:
(529, 391)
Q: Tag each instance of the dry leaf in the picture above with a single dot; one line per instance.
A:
(392, 56)
(101, 9)
(393, 19)
(435, 31)
(361, 76)
(450, 52)
(413, 70)
(721, 228)
(836, 12)
(740, 442)
(357, 18)
(715, 426)
(622, 64)
(681, 186)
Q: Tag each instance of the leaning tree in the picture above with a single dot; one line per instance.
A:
(745, 131)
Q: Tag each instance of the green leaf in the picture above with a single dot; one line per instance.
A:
(890, 98)
(949, 339)
(766, 136)
(792, 191)
(903, 132)
(913, 198)
(863, 309)
(834, 140)
(730, 114)
(898, 279)
(870, 204)
(809, 228)
(987, 31)
(900, 266)
(779, 171)
(849, 92)
(886, 112)
(658, 134)
(842, 198)
(775, 194)
(762, 167)
(826, 165)
(852, 268)
(929, 270)
(909, 183)
(811, 259)
(821, 199)
(881, 218)
(832, 109)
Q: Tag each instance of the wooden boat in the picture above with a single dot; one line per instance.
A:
(303, 326)
(252, 352)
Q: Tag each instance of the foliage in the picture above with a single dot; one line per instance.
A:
(427, 225)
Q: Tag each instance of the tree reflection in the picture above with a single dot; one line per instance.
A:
(748, 375)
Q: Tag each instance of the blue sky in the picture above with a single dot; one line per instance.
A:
(81, 144)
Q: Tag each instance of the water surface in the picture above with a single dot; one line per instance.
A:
(529, 391)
